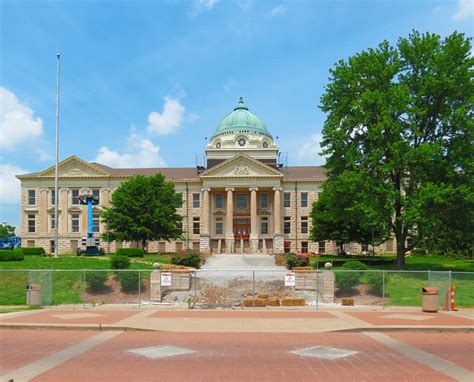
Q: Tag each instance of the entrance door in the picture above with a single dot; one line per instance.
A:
(241, 229)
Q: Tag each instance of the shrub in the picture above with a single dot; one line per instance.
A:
(32, 251)
(295, 260)
(375, 282)
(9, 255)
(119, 262)
(354, 264)
(128, 280)
(96, 280)
(348, 280)
(186, 259)
(130, 252)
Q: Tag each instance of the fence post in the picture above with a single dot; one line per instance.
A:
(195, 288)
(253, 289)
(449, 291)
(139, 288)
(429, 277)
(84, 286)
(383, 289)
(317, 290)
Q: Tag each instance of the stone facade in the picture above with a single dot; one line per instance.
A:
(244, 201)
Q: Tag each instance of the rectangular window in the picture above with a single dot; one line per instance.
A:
(179, 225)
(263, 200)
(73, 246)
(30, 243)
(52, 248)
(53, 197)
(196, 246)
(264, 225)
(322, 247)
(365, 248)
(286, 199)
(389, 245)
(304, 224)
(219, 226)
(196, 203)
(32, 223)
(219, 200)
(304, 247)
(196, 226)
(96, 194)
(74, 197)
(304, 199)
(181, 200)
(162, 247)
(31, 197)
(75, 223)
(287, 225)
(179, 246)
(241, 201)
(53, 222)
(95, 222)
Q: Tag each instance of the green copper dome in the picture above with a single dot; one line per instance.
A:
(241, 120)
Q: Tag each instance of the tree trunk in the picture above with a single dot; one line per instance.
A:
(400, 253)
(144, 246)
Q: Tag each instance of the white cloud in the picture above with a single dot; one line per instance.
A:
(309, 151)
(18, 126)
(9, 185)
(279, 10)
(465, 10)
(169, 120)
(193, 117)
(202, 6)
(141, 153)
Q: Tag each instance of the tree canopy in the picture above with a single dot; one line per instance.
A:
(400, 120)
(144, 208)
(7, 230)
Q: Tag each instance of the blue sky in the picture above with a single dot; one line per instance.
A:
(144, 82)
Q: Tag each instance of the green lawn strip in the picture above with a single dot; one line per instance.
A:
(22, 309)
(66, 286)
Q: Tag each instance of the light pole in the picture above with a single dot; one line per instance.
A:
(56, 196)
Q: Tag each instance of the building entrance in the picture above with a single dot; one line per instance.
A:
(241, 228)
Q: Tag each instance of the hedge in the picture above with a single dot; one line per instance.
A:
(9, 255)
(119, 262)
(348, 280)
(32, 251)
(128, 280)
(186, 259)
(130, 252)
(295, 260)
(96, 280)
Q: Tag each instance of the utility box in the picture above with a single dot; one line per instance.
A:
(33, 295)
(430, 299)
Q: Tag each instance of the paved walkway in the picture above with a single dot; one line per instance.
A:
(235, 345)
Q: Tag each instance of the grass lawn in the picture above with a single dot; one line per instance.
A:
(22, 309)
(405, 288)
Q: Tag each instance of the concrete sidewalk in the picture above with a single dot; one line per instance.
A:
(239, 321)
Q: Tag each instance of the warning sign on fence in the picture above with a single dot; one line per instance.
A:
(290, 279)
(165, 278)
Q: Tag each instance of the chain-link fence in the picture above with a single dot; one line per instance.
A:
(235, 289)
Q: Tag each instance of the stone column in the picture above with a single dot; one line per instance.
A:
(253, 220)
(278, 242)
(229, 225)
(204, 240)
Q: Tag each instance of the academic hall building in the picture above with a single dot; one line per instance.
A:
(244, 199)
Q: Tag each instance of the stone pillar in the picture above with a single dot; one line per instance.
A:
(229, 225)
(204, 241)
(253, 220)
(278, 242)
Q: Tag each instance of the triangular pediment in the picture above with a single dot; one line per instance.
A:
(73, 167)
(241, 166)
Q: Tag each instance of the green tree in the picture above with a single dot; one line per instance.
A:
(142, 209)
(7, 230)
(402, 118)
(345, 212)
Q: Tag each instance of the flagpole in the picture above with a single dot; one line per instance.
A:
(56, 194)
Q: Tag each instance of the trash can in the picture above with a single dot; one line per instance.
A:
(430, 301)
(33, 295)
